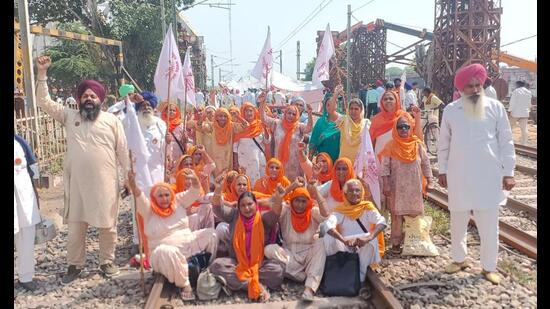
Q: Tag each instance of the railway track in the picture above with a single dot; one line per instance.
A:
(527, 151)
(511, 202)
(162, 293)
(520, 240)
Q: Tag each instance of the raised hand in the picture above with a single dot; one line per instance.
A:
(43, 63)
(218, 182)
(278, 194)
(309, 108)
(312, 188)
(189, 174)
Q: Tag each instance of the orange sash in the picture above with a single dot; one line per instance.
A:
(250, 269)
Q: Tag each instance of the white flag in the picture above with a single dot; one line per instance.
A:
(188, 79)
(138, 146)
(262, 70)
(366, 166)
(169, 69)
(321, 71)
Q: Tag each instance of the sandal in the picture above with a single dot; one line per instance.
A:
(187, 294)
(395, 250)
(364, 293)
(307, 295)
(264, 296)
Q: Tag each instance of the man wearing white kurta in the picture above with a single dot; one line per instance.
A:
(476, 161)
(96, 145)
(520, 106)
(25, 211)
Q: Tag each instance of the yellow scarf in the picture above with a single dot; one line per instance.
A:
(354, 211)
(351, 131)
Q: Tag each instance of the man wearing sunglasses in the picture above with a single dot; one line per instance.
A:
(476, 162)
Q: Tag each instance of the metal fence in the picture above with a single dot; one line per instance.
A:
(48, 141)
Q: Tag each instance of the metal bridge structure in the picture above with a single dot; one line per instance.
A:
(465, 32)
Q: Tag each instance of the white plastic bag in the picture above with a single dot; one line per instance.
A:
(417, 237)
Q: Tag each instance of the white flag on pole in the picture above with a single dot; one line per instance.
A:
(321, 71)
(262, 70)
(366, 166)
(169, 69)
(188, 79)
(138, 146)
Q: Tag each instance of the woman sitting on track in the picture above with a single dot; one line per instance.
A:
(246, 268)
(321, 169)
(303, 251)
(167, 229)
(344, 222)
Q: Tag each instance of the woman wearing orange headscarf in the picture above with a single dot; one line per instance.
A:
(274, 175)
(246, 268)
(200, 163)
(303, 253)
(405, 163)
(322, 167)
(381, 126)
(166, 227)
(248, 145)
(287, 132)
(222, 131)
(332, 189)
(175, 137)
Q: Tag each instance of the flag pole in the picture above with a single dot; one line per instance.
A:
(140, 242)
(168, 106)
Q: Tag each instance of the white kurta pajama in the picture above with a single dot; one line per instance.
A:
(171, 241)
(368, 254)
(475, 155)
(25, 215)
(520, 106)
(90, 176)
(303, 254)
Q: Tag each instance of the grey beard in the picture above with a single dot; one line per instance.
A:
(474, 107)
(145, 121)
(90, 114)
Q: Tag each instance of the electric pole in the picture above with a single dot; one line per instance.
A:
(298, 60)
(212, 68)
(281, 61)
(348, 48)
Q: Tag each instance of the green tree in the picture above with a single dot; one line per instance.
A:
(309, 69)
(134, 22)
(393, 71)
(74, 61)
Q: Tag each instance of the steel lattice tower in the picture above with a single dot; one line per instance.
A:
(465, 32)
(368, 56)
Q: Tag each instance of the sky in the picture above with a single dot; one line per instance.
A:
(250, 19)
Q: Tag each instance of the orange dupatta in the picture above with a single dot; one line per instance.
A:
(223, 134)
(173, 122)
(335, 189)
(266, 184)
(404, 149)
(254, 128)
(300, 221)
(400, 148)
(289, 128)
(383, 121)
(249, 269)
(324, 177)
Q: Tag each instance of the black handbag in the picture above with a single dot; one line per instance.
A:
(341, 275)
(196, 264)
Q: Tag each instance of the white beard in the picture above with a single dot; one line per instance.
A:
(474, 110)
(146, 120)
